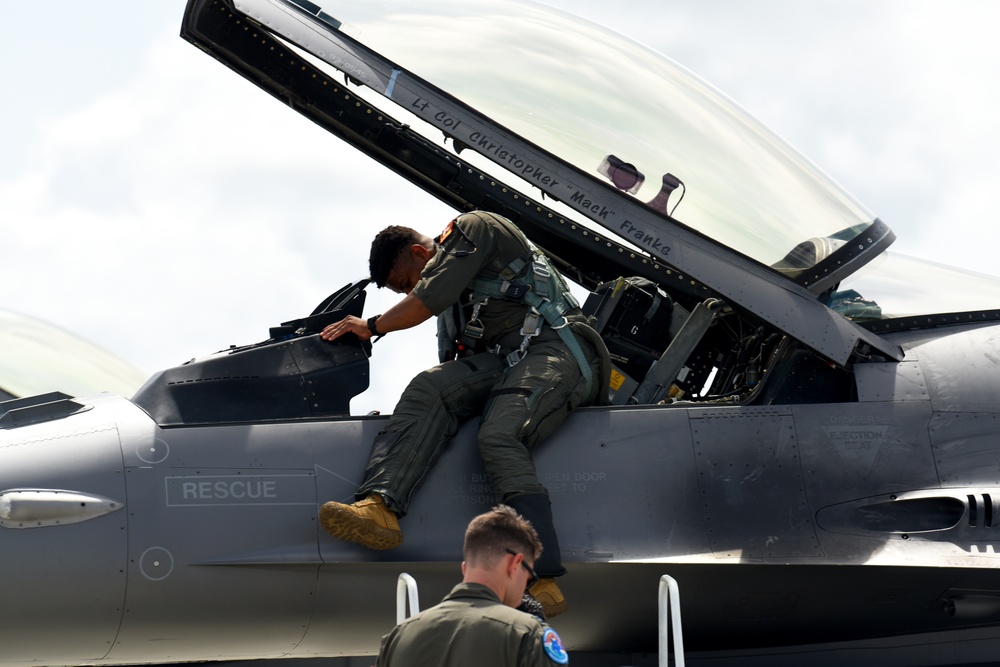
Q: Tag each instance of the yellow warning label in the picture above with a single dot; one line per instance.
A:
(617, 379)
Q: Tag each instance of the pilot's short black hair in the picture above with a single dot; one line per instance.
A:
(489, 536)
(387, 246)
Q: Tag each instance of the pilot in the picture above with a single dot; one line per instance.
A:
(476, 622)
(515, 348)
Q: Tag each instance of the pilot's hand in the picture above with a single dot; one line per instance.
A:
(349, 324)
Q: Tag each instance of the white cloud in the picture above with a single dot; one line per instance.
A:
(186, 211)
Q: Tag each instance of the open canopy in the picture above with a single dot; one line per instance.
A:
(620, 111)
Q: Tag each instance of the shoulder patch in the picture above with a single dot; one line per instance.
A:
(447, 232)
(554, 647)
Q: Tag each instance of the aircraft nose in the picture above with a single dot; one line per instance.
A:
(62, 534)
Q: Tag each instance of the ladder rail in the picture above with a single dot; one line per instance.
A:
(670, 601)
(406, 589)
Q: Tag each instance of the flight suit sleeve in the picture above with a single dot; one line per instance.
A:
(384, 658)
(543, 648)
(466, 246)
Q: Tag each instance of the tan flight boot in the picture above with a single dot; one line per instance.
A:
(547, 592)
(367, 522)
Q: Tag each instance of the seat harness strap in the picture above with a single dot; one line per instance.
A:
(544, 291)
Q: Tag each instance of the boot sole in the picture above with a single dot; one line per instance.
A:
(345, 525)
(550, 607)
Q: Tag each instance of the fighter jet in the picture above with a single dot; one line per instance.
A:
(803, 426)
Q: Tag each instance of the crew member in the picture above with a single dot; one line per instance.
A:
(515, 348)
(477, 623)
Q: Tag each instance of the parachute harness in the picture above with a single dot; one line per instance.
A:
(541, 288)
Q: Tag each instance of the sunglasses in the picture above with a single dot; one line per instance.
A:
(532, 577)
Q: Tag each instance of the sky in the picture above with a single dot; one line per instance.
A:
(161, 207)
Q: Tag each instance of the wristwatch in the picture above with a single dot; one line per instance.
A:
(371, 324)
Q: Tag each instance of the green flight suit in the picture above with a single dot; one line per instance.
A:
(471, 627)
(520, 405)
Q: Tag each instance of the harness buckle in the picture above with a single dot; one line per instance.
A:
(474, 329)
(514, 358)
(532, 325)
(540, 266)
